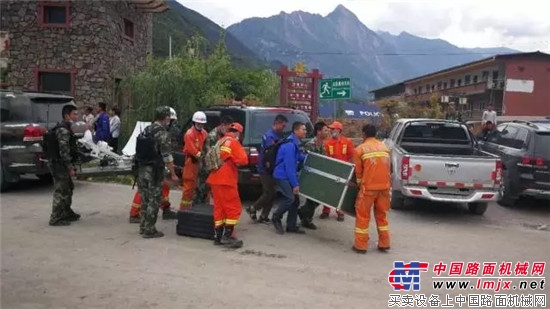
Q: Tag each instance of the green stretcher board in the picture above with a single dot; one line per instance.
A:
(329, 182)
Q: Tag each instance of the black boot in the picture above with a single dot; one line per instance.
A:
(228, 240)
(277, 224)
(218, 233)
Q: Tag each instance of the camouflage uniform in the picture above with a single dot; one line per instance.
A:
(60, 166)
(202, 191)
(306, 212)
(149, 182)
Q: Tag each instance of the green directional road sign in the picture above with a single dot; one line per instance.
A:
(335, 88)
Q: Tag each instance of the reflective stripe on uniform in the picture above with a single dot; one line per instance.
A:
(361, 231)
(218, 223)
(331, 150)
(375, 154)
(166, 199)
(185, 202)
(225, 148)
(231, 222)
(136, 205)
(383, 228)
(345, 149)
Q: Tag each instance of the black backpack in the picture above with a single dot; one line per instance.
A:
(270, 155)
(50, 144)
(147, 151)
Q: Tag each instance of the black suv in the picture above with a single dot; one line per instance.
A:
(26, 116)
(256, 121)
(524, 148)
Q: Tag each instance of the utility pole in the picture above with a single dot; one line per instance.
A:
(170, 47)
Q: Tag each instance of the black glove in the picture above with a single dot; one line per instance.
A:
(194, 159)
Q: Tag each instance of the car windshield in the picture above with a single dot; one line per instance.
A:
(262, 121)
(436, 132)
(542, 145)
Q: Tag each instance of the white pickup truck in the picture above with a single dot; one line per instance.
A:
(439, 160)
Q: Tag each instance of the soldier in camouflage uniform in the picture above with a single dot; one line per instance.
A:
(315, 145)
(150, 177)
(202, 191)
(60, 162)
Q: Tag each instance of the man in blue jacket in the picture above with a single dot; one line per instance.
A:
(289, 157)
(102, 129)
(265, 202)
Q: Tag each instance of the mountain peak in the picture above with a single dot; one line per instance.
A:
(341, 10)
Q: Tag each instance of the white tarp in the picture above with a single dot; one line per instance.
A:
(130, 148)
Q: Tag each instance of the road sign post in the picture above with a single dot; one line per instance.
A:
(299, 89)
(335, 88)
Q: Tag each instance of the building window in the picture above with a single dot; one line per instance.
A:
(452, 83)
(475, 79)
(128, 29)
(54, 14)
(415, 91)
(459, 82)
(427, 88)
(485, 75)
(55, 81)
(467, 79)
(445, 85)
(439, 85)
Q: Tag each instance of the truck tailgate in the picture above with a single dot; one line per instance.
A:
(452, 171)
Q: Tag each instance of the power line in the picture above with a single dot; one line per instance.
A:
(394, 54)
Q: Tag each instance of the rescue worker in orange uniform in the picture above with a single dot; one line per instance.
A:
(372, 169)
(341, 148)
(167, 213)
(193, 143)
(223, 184)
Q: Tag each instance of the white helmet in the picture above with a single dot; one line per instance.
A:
(173, 115)
(199, 117)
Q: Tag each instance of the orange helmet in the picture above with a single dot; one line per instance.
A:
(336, 125)
(237, 127)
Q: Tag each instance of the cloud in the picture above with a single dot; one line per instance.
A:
(522, 25)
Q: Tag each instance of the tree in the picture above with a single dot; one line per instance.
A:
(195, 79)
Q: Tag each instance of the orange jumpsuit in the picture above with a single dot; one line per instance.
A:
(165, 204)
(194, 142)
(372, 168)
(340, 148)
(223, 183)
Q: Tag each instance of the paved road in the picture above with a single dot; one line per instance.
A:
(101, 262)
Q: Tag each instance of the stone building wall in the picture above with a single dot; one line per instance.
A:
(94, 47)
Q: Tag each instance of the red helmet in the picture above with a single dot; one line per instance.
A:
(336, 125)
(237, 127)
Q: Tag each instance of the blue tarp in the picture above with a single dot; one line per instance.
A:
(350, 110)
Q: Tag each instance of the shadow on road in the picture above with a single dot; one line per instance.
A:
(30, 183)
(530, 205)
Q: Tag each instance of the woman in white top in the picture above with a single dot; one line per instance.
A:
(114, 125)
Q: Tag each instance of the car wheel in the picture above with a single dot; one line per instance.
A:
(477, 208)
(4, 183)
(397, 200)
(507, 199)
